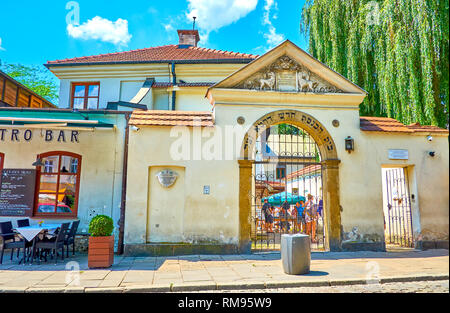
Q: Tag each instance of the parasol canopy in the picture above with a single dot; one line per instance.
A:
(280, 197)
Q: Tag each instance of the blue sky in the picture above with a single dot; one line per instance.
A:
(37, 31)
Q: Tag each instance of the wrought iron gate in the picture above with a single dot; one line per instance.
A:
(286, 173)
(398, 218)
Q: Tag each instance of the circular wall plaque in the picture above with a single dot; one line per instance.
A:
(335, 123)
(167, 177)
(240, 120)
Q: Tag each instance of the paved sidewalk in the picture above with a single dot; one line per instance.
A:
(222, 272)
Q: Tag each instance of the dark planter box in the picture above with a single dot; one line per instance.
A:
(101, 251)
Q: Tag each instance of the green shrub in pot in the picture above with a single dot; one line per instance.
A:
(101, 225)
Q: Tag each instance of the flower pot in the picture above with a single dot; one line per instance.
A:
(101, 251)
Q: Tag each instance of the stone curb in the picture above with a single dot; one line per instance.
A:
(413, 278)
(207, 286)
(44, 290)
(241, 285)
(193, 286)
(103, 290)
(151, 288)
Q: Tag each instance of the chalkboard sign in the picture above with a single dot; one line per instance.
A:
(17, 187)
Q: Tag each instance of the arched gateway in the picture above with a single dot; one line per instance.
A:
(287, 77)
(293, 155)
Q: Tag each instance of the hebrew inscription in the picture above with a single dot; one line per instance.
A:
(310, 124)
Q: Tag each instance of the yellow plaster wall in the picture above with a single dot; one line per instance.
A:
(209, 218)
(360, 171)
(215, 217)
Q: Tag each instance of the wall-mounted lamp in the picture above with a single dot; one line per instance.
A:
(38, 162)
(349, 144)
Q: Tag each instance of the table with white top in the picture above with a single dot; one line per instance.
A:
(30, 233)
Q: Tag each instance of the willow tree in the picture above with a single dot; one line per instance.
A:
(397, 50)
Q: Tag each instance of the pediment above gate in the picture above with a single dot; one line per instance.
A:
(286, 74)
(288, 68)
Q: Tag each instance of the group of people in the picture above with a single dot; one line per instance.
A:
(303, 216)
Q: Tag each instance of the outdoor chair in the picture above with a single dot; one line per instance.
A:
(54, 244)
(11, 241)
(70, 238)
(23, 223)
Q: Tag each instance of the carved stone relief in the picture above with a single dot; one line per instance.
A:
(285, 74)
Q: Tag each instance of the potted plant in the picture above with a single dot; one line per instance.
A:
(101, 242)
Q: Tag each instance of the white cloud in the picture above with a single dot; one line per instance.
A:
(213, 15)
(271, 36)
(102, 29)
(1, 48)
(168, 27)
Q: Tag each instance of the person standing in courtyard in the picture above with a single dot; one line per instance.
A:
(265, 210)
(284, 216)
(270, 219)
(310, 217)
(299, 208)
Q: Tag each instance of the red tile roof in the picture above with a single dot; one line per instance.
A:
(386, 124)
(416, 127)
(166, 85)
(382, 124)
(172, 118)
(159, 54)
(305, 171)
(274, 184)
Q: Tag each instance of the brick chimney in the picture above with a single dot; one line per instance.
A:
(188, 37)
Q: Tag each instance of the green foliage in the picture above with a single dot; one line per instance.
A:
(37, 78)
(101, 225)
(287, 129)
(397, 50)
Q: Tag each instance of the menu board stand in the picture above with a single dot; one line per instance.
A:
(17, 189)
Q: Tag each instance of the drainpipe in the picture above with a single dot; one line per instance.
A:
(124, 185)
(174, 82)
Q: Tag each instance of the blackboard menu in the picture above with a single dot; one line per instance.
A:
(17, 187)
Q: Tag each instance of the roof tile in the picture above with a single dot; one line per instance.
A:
(172, 118)
(161, 53)
(386, 124)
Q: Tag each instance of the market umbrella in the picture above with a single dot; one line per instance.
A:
(280, 197)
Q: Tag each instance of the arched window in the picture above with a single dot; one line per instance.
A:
(58, 184)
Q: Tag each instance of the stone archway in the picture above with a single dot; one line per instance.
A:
(330, 167)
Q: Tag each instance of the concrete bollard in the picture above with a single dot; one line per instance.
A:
(295, 254)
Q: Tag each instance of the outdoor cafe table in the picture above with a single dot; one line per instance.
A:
(30, 233)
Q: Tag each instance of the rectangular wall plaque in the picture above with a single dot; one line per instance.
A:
(398, 154)
(286, 81)
(17, 189)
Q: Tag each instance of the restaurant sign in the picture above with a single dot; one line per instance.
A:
(49, 135)
(17, 187)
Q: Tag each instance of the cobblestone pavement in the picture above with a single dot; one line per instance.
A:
(441, 286)
(221, 272)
